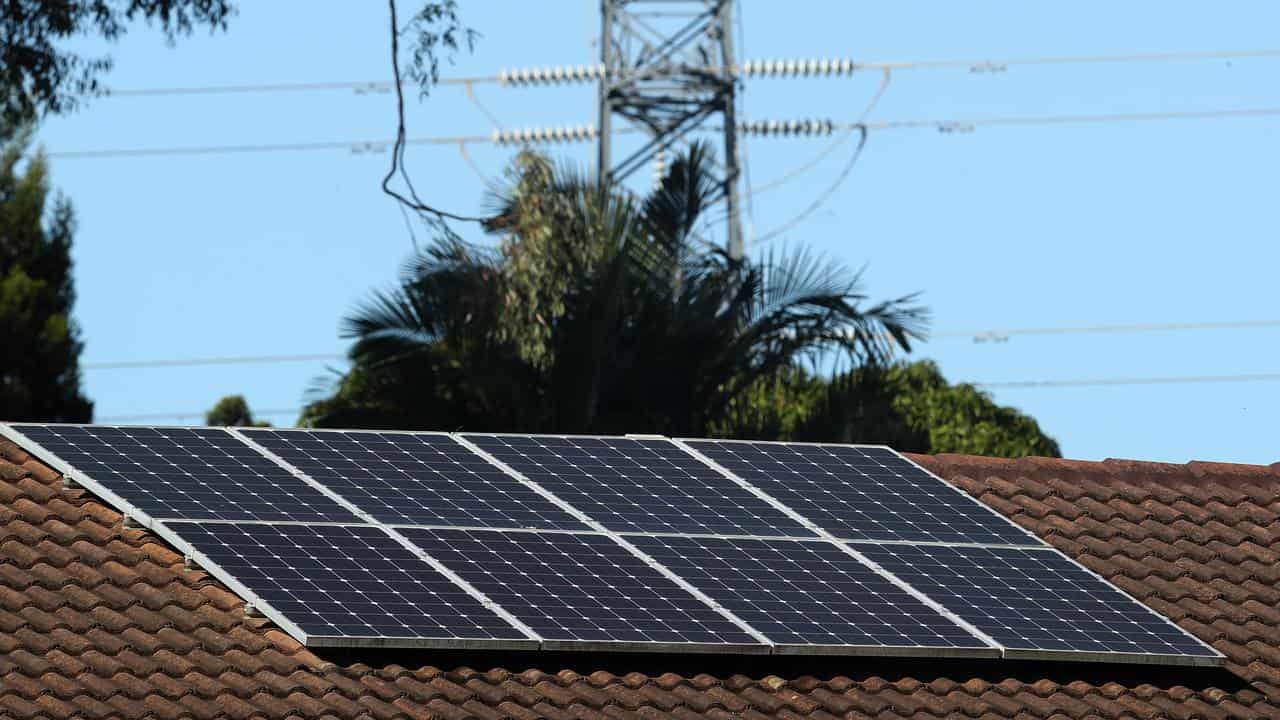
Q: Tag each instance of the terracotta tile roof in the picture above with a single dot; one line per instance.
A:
(101, 621)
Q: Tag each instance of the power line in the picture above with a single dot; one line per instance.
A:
(1105, 382)
(945, 126)
(996, 65)
(1002, 335)
(1000, 385)
(997, 335)
(969, 124)
(782, 67)
(356, 147)
(185, 415)
(860, 127)
(199, 361)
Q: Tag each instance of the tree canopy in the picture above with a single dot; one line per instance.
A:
(39, 74)
(232, 411)
(39, 368)
(909, 406)
(598, 311)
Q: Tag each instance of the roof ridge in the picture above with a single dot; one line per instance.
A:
(1110, 467)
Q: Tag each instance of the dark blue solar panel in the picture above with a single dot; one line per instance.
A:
(186, 473)
(863, 493)
(573, 587)
(806, 593)
(1034, 600)
(346, 581)
(414, 478)
(639, 485)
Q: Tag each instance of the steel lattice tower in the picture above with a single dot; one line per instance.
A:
(668, 69)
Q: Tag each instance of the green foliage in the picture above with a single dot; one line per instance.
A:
(598, 311)
(232, 411)
(961, 418)
(39, 74)
(39, 368)
(433, 27)
(908, 406)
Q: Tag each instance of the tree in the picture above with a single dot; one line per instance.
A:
(232, 411)
(39, 367)
(597, 312)
(908, 406)
(39, 74)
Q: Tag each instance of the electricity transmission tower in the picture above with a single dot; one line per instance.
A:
(668, 68)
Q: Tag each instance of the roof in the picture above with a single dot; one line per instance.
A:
(97, 620)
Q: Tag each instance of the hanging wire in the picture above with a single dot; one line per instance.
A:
(861, 128)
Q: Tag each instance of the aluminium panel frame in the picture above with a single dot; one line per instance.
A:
(989, 648)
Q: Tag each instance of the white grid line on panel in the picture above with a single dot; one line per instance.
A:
(167, 534)
(1036, 539)
(1046, 546)
(401, 539)
(415, 495)
(1123, 656)
(251, 598)
(942, 543)
(126, 508)
(985, 638)
(151, 451)
(595, 525)
(1122, 591)
(642, 489)
(959, 494)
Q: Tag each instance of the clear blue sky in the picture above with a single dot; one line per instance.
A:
(1006, 227)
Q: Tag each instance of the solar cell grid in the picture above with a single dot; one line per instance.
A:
(414, 478)
(186, 473)
(1034, 600)
(578, 587)
(863, 493)
(807, 593)
(639, 485)
(346, 581)
(340, 581)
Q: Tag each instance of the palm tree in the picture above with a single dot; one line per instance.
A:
(598, 311)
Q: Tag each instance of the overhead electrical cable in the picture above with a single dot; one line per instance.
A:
(185, 415)
(859, 127)
(1001, 335)
(199, 361)
(977, 335)
(1102, 382)
(946, 126)
(781, 68)
(992, 385)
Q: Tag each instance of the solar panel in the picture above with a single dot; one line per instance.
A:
(863, 493)
(672, 554)
(1036, 601)
(185, 473)
(639, 485)
(580, 588)
(345, 582)
(809, 593)
(414, 478)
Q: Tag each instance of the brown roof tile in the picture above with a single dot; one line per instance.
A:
(98, 621)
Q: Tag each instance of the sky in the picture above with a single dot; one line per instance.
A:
(1009, 226)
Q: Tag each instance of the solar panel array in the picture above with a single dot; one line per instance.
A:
(863, 493)
(346, 581)
(802, 593)
(414, 478)
(1034, 599)
(186, 473)
(646, 485)
(409, 539)
(580, 587)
